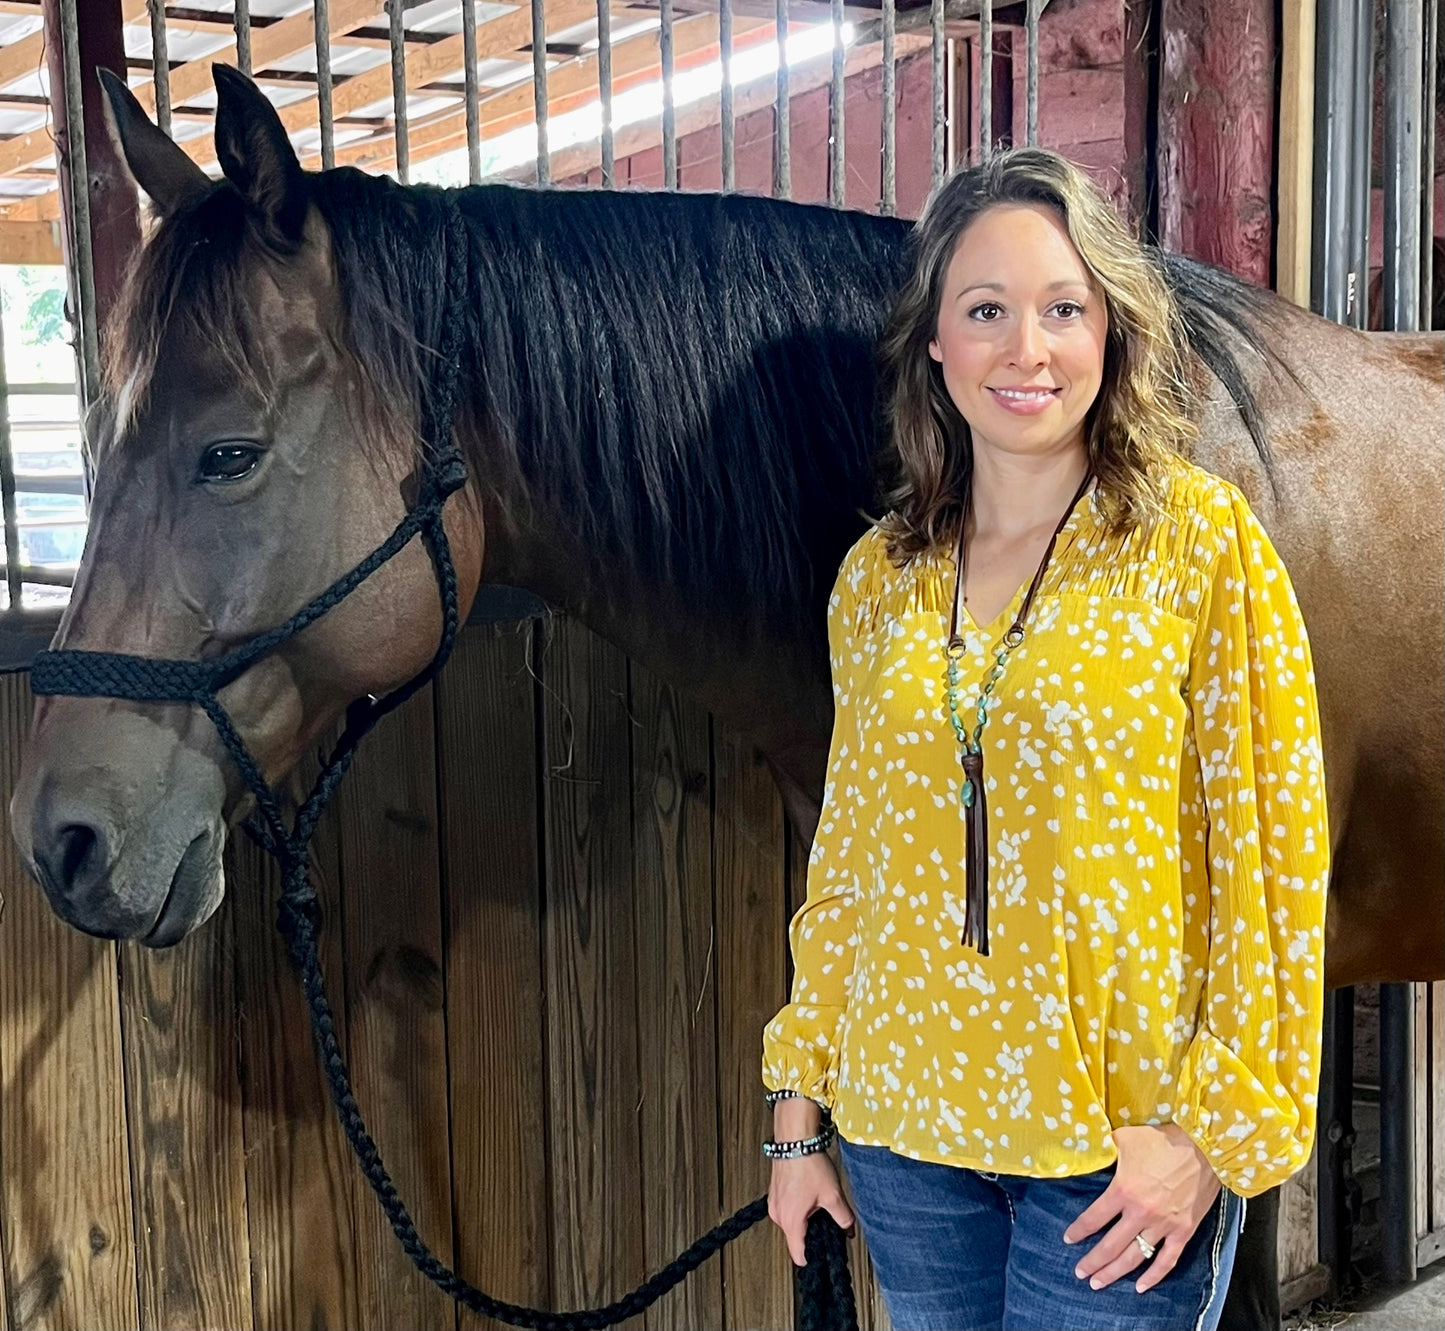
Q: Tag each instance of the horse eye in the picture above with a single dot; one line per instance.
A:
(228, 462)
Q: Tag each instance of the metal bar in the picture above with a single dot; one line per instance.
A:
(985, 80)
(1360, 174)
(889, 203)
(1400, 171)
(396, 24)
(837, 95)
(242, 25)
(940, 93)
(321, 22)
(604, 91)
(13, 579)
(1031, 84)
(726, 111)
(470, 92)
(782, 154)
(539, 88)
(1397, 1132)
(669, 107)
(80, 205)
(1330, 292)
(1337, 1134)
(160, 63)
(1427, 177)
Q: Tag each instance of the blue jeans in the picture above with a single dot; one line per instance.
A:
(957, 1249)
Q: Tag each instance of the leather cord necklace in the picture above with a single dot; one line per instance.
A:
(971, 793)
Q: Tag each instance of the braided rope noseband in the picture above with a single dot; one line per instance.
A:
(826, 1294)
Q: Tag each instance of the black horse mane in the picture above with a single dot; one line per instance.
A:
(686, 381)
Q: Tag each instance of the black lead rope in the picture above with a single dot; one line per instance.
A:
(825, 1289)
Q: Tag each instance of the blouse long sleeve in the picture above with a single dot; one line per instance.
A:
(799, 1045)
(1247, 1087)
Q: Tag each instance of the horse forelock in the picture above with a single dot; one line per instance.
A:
(191, 292)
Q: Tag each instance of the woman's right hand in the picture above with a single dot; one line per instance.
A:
(800, 1187)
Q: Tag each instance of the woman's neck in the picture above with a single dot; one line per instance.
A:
(1013, 496)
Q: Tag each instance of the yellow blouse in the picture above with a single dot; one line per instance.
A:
(1158, 854)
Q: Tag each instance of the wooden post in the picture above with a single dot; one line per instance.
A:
(1141, 70)
(1296, 150)
(1216, 132)
(114, 213)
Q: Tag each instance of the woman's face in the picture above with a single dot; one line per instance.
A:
(1021, 330)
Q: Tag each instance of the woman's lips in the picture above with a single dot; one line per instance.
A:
(1024, 401)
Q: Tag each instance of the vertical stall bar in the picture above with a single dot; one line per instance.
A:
(1404, 105)
(888, 205)
(782, 154)
(396, 13)
(1363, 108)
(1334, 167)
(470, 92)
(1031, 76)
(160, 63)
(80, 205)
(985, 81)
(242, 25)
(940, 92)
(325, 121)
(728, 115)
(837, 165)
(1427, 173)
(669, 107)
(539, 88)
(7, 490)
(604, 91)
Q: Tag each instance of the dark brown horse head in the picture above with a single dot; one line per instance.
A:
(243, 462)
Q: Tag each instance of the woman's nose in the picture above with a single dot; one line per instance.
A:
(1030, 346)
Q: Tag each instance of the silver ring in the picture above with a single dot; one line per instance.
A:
(1145, 1246)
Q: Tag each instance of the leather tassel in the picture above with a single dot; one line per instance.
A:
(975, 851)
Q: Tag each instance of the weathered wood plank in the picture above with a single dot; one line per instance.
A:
(1297, 1239)
(390, 873)
(672, 847)
(1437, 1105)
(65, 1190)
(183, 1112)
(1424, 1076)
(751, 892)
(486, 754)
(299, 1172)
(592, 1037)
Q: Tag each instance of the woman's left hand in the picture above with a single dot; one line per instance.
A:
(1162, 1188)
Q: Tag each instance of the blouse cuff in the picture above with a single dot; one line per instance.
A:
(1252, 1138)
(799, 1053)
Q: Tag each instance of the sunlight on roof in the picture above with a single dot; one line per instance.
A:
(636, 105)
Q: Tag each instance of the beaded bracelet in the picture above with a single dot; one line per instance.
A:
(797, 1150)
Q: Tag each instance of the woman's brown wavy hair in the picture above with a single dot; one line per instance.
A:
(1143, 415)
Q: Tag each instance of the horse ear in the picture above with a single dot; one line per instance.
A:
(159, 165)
(256, 155)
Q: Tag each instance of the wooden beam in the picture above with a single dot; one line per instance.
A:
(634, 61)
(1216, 133)
(1296, 150)
(501, 36)
(30, 242)
(26, 56)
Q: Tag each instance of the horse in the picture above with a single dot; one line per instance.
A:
(670, 413)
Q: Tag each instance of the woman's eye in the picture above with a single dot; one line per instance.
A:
(1068, 309)
(228, 462)
(986, 312)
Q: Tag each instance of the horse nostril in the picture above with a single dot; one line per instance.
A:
(78, 845)
(74, 856)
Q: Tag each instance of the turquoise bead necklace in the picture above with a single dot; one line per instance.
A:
(971, 792)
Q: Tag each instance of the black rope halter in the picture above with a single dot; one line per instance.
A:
(826, 1291)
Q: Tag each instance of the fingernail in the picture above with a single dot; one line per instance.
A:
(1079, 1272)
(1070, 1241)
(1096, 1283)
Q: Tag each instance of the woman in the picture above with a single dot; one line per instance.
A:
(1059, 975)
